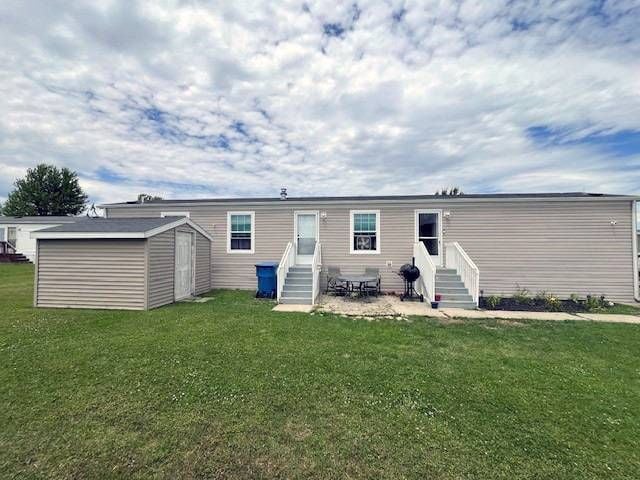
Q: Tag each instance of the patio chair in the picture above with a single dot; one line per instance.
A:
(334, 285)
(373, 288)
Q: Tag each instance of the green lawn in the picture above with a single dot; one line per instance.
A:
(229, 389)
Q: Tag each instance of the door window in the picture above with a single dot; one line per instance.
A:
(306, 234)
(428, 231)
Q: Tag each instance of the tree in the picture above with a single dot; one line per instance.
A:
(145, 197)
(450, 192)
(46, 190)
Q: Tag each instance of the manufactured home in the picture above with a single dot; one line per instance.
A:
(15, 233)
(134, 264)
(564, 243)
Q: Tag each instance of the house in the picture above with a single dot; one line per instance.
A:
(135, 263)
(465, 246)
(15, 233)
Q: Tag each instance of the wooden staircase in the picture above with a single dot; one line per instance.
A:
(8, 254)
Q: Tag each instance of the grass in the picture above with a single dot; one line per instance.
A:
(229, 389)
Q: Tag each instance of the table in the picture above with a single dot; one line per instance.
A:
(361, 280)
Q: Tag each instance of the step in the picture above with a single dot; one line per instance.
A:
(446, 271)
(299, 275)
(297, 288)
(296, 301)
(447, 290)
(447, 276)
(449, 284)
(297, 294)
(455, 304)
(456, 297)
(300, 269)
(298, 281)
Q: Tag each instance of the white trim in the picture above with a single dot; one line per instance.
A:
(175, 214)
(253, 233)
(416, 237)
(378, 237)
(295, 228)
(43, 234)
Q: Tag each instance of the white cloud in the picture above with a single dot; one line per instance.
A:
(187, 99)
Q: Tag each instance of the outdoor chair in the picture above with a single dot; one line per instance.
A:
(373, 288)
(334, 285)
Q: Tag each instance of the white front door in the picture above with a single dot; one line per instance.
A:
(184, 264)
(429, 231)
(306, 236)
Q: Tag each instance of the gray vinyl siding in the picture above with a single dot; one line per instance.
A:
(560, 246)
(91, 274)
(203, 264)
(161, 268)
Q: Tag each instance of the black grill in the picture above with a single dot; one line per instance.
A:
(410, 273)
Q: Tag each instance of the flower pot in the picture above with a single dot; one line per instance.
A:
(438, 297)
(434, 304)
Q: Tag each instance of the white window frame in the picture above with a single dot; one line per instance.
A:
(175, 214)
(378, 249)
(253, 233)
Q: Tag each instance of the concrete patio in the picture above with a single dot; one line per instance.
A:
(391, 306)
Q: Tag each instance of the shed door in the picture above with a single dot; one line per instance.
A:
(184, 265)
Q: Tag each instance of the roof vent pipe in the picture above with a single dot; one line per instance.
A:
(283, 193)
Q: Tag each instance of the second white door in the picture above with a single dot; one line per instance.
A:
(306, 236)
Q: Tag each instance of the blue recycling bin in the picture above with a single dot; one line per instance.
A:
(267, 281)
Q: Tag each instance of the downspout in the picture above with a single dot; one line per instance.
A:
(634, 242)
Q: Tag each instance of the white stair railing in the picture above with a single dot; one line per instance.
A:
(457, 258)
(427, 280)
(316, 268)
(287, 261)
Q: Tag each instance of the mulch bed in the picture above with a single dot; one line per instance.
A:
(534, 305)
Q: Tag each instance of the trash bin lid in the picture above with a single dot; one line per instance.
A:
(267, 264)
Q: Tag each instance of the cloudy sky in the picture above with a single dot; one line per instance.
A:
(209, 99)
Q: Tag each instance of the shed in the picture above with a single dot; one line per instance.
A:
(132, 264)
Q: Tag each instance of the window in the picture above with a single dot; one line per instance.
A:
(175, 214)
(365, 231)
(240, 232)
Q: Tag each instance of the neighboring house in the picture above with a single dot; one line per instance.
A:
(561, 243)
(17, 231)
(133, 264)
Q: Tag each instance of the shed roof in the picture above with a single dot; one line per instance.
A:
(116, 228)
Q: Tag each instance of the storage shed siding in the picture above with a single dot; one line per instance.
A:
(560, 246)
(161, 268)
(203, 264)
(91, 274)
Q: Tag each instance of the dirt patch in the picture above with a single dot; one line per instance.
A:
(298, 432)
(510, 323)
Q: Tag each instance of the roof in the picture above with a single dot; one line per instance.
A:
(465, 197)
(42, 219)
(116, 228)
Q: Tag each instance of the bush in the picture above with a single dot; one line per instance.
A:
(575, 298)
(549, 301)
(492, 301)
(522, 296)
